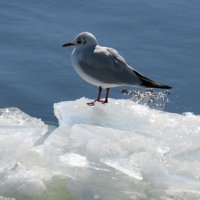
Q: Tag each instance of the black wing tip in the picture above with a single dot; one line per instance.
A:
(168, 87)
(165, 87)
(149, 83)
(155, 85)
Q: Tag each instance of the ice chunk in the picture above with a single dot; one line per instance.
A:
(123, 150)
(95, 150)
(18, 133)
(149, 165)
(124, 165)
(21, 182)
(128, 142)
(35, 183)
(20, 136)
(34, 157)
(120, 150)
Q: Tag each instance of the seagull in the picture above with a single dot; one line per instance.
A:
(104, 67)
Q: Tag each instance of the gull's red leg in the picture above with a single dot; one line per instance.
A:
(99, 95)
(106, 99)
(98, 99)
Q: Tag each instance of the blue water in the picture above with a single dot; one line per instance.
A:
(160, 39)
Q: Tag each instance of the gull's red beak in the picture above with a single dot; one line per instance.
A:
(68, 44)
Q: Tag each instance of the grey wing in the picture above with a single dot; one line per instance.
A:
(108, 66)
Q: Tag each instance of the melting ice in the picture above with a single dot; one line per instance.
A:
(121, 150)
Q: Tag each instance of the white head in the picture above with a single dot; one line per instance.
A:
(83, 40)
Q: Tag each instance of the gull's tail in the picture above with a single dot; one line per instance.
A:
(149, 83)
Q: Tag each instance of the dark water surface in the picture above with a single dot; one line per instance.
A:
(160, 39)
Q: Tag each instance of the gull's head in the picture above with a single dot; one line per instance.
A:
(83, 40)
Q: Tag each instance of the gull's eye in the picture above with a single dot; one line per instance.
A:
(78, 41)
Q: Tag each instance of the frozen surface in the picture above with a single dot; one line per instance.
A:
(121, 150)
(18, 133)
(23, 171)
